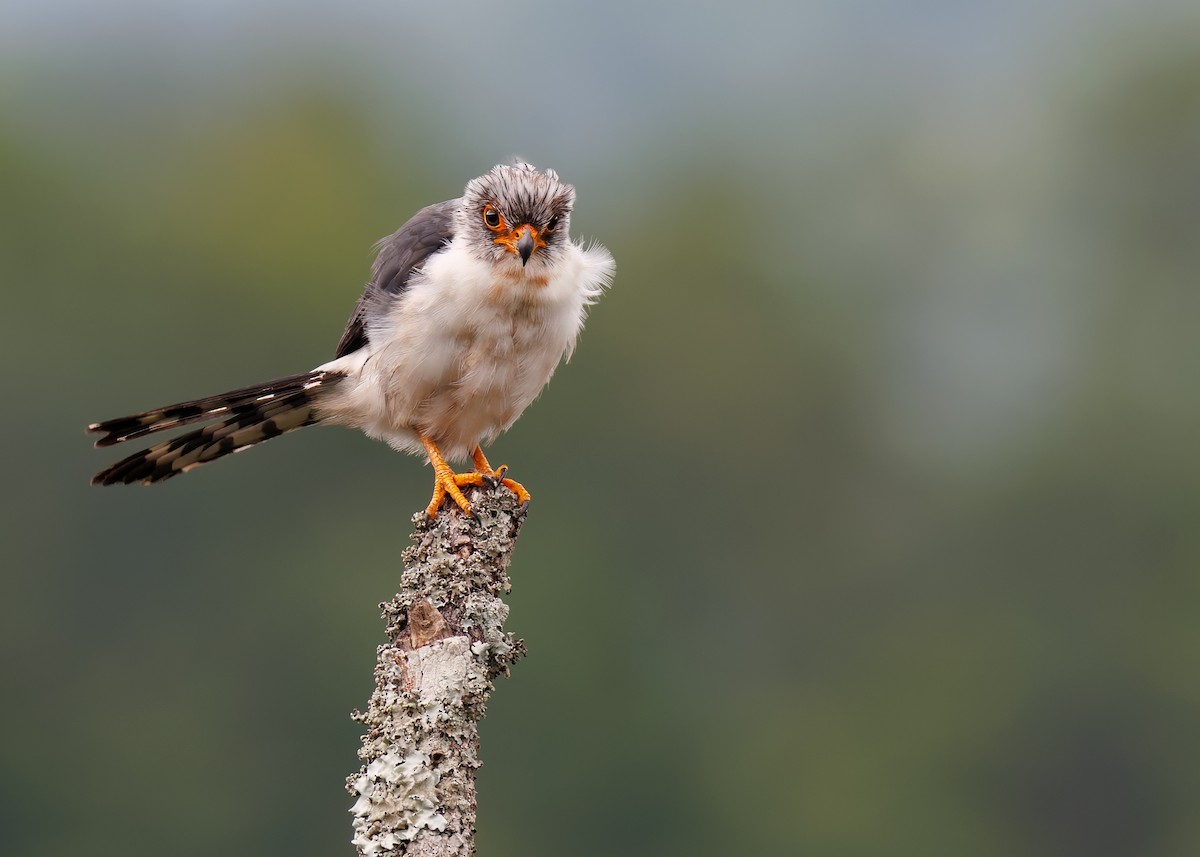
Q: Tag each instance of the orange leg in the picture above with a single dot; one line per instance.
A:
(481, 464)
(446, 481)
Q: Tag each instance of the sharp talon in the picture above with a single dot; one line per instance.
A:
(518, 489)
(493, 478)
(523, 509)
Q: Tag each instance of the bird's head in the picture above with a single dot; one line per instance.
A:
(517, 212)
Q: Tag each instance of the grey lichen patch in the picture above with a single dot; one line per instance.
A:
(396, 801)
(416, 789)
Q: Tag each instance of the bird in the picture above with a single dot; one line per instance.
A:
(470, 307)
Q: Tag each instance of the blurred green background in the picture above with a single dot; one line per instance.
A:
(865, 517)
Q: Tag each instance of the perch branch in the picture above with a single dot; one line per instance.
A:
(446, 643)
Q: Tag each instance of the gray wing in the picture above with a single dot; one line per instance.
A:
(400, 254)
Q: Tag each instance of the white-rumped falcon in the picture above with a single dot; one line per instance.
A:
(470, 307)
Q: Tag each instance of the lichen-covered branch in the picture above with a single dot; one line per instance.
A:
(446, 643)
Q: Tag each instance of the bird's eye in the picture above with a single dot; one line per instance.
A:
(552, 223)
(491, 217)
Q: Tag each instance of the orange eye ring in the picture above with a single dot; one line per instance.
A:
(492, 219)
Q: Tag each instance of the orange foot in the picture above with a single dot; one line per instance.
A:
(446, 481)
(482, 466)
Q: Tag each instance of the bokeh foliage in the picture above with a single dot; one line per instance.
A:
(865, 517)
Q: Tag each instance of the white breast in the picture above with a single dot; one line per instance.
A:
(466, 348)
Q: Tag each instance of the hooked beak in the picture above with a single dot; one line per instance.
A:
(526, 244)
(522, 241)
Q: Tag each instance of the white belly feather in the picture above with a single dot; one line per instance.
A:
(462, 353)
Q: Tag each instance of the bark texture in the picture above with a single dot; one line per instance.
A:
(446, 643)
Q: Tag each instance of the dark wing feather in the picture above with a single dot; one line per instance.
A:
(400, 254)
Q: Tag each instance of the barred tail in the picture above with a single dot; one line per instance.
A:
(243, 418)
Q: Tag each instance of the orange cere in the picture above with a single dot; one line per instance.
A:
(511, 239)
